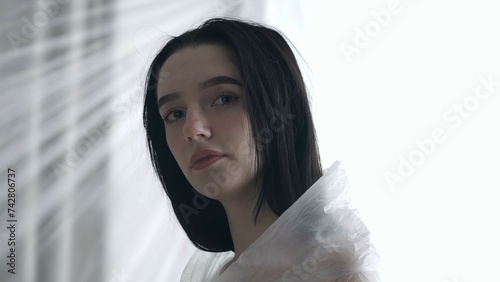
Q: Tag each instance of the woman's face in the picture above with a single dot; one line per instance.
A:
(201, 100)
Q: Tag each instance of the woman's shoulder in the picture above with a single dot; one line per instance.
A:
(319, 238)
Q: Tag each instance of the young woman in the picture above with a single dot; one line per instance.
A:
(232, 141)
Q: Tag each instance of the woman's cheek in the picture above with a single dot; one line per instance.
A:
(173, 143)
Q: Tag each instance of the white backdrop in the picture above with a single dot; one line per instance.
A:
(404, 93)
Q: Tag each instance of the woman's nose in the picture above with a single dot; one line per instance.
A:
(196, 126)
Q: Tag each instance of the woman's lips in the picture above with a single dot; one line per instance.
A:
(206, 161)
(204, 158)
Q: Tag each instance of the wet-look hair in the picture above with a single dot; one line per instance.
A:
(280, 121)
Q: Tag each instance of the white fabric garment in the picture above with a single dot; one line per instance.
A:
(319, 238)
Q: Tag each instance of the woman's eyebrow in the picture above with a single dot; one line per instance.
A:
(167, 98)
(221, 79)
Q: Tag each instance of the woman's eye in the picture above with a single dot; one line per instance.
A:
(225, 99)
(173, 115)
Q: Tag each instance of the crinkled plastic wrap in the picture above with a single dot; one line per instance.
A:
(319, 238)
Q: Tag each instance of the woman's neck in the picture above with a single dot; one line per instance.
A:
(244, 231)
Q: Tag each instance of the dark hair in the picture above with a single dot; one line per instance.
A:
(280, 121)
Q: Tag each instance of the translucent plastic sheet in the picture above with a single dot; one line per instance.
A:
(319, 238)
